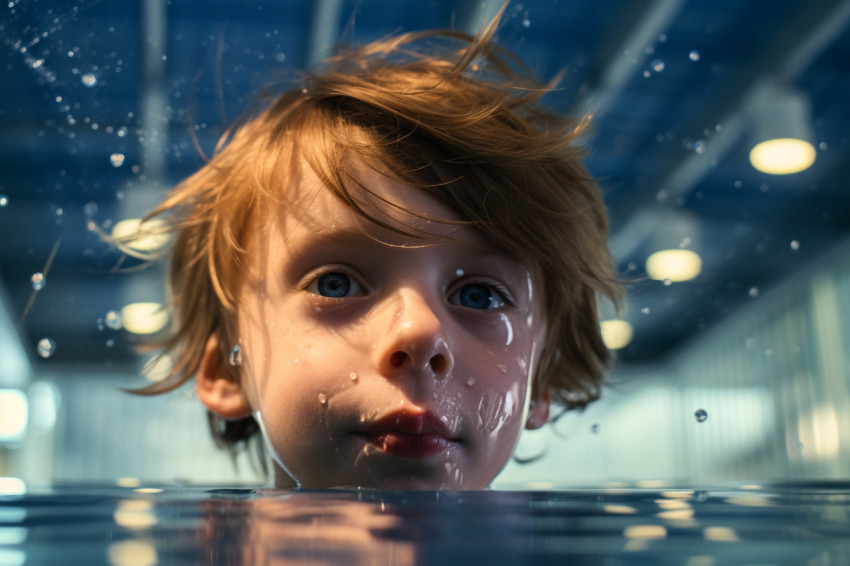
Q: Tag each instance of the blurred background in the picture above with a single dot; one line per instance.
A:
(733, 351)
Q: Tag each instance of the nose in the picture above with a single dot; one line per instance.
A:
(416, 343)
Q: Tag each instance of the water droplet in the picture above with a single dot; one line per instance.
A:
(693, 55)
(117, 159)
(90, 209)
(526, 23)
(323, 399)
(122, 131)
(646, 74)
(738, 184)
(89, 79)
(235, 357)
(644, 310)
(700, 415)
(46, 347)
(110, 343)
(352, 376)
(4, 200)
(699, 147)
(38, 281)
(668, 282)
(753, 292)
(823, 145)
(657, 65)
(470, 382)
(795, 245)
(113, 320)
(459, 272)
(594, 428)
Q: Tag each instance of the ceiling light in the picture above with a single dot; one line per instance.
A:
(782, 131)
(674, 265)
(143, 318)
(616, 333)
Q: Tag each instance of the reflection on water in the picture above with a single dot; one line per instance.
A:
(752, 524)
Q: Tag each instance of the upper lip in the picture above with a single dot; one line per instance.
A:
(413, 424)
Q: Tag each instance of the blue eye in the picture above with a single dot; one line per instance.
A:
(477, 296)
(334, 285)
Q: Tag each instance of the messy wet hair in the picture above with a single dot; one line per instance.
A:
(453, 115)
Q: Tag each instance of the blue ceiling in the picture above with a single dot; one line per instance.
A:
(668, 81)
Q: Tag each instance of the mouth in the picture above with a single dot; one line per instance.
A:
(407, 435)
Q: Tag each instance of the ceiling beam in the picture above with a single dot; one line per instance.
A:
(791, 51)
(324, 30)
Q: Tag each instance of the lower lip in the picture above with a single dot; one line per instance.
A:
(410, 446)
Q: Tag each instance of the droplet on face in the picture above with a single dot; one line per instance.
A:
(352, 376)
(46, 347)
(38, 281)
(117, 159)
(470, 382)
(700, 415)
(323, 399)
(693, 55)
(235, 357)
(113, 320)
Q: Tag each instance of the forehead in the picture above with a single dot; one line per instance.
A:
(391, 212)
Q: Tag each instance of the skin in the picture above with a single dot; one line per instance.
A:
(347, 328)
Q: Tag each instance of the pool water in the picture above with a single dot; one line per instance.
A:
(800, 524)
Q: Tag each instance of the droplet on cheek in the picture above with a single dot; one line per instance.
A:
(323, 399)
(352, 376)
(502, 368)
(470, 382)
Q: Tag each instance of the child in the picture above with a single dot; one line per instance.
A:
(391, 271)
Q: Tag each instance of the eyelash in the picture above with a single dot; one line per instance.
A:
(500, 290)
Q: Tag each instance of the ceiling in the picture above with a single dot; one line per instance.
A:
(671, 85)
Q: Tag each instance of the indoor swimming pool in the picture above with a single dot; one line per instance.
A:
(779, 524)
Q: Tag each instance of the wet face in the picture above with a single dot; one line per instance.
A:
(381, 360)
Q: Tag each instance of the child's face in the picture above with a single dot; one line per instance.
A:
(379, 360)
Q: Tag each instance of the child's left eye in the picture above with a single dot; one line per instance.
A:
(477, 296)
(335, 285)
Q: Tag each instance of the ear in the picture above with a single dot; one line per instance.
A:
(538, 414)
(216, 390)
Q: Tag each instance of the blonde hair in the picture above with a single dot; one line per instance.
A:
(451, 114)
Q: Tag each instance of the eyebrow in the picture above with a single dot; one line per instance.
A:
(350, 236)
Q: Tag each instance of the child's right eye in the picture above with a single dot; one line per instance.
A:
(335, 285)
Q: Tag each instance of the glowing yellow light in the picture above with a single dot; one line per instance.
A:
(673, 265)
(144, 237)
(723, 534)
(135, 514)
(14, 411)
(645, 532)
(143, 318)
(619, 509)
(782, 156)
(132, 553)
(127, 482)
(12, 486)
(616, 333)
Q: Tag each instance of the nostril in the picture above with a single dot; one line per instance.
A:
(397, 359)
(439, 364)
